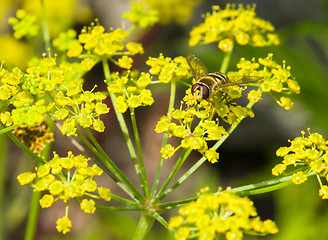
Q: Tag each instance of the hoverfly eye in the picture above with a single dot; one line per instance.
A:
(205, 92)
(200, 91)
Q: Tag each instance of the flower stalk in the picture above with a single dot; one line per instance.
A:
(144, 226)
(33, 216)
(165, 139)
(45, 28)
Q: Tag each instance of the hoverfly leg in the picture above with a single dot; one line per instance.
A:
(213, 110)
(227, 101)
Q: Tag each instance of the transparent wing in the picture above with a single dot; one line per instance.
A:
(241, 80)
(197, 66)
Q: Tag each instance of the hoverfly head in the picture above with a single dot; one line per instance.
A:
(200, 91)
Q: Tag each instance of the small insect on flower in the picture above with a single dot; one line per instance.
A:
(34, 137)
(208, 84)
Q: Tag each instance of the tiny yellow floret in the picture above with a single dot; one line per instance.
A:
(64, 225)
(26, 178)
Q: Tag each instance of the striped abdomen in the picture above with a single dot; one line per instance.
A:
(219, 78)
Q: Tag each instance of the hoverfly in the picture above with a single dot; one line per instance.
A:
(208, 83)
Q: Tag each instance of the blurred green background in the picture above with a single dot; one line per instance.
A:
(246, 157)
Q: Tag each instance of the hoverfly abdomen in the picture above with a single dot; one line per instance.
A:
(220, 78)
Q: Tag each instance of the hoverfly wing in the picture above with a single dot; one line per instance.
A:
(241, 80)
(250, 79)
(197, 66)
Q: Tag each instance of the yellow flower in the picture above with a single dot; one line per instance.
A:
(182, 233)
(88, 206)
(56, 188)
(211, 155)
(46, 201)
(299, 177)
(226, 45)
(309, 154)
(323, 192)
(214, 215)
(270, 76)
(140, 18)
(175, 222)
(167, 151)
(233, 24)
(178, 11)
(254, 96)
(64, 225)
(125, 62)
(278, 169)
(26, 178)
(104, 193)
(286, 103)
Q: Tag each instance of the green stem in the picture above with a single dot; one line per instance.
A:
(124, 200)
(158, 217)
(36, 195)
(230, 130)
(127, 186)
(264, 187)
(145, 224)
(120, 208)
(247, 190)
(33, 216)
(7, 129)
(45, 29)
(99, 151)
(226, 61)
(24, 148)
(143, 177)
(165, 139)
(123, 126)
(3, 175)
(183, 156)
(184, 177)
(319, 180)
(128, 140)
(108, 169)
(159, 167)
(262, 190)
(175, 204)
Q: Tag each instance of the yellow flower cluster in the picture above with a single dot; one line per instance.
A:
(229, 112)
(140, 18)
(29, 93)
(66, 178)
(101, 43)
(307, 155)
(130, 90)
(168, 69)
(36, 137)
(65, 40)
(24, 24)
(275, 78)
(213, 216)
(95, 42)
(179, 11)
(180, 124)
(232, 24)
